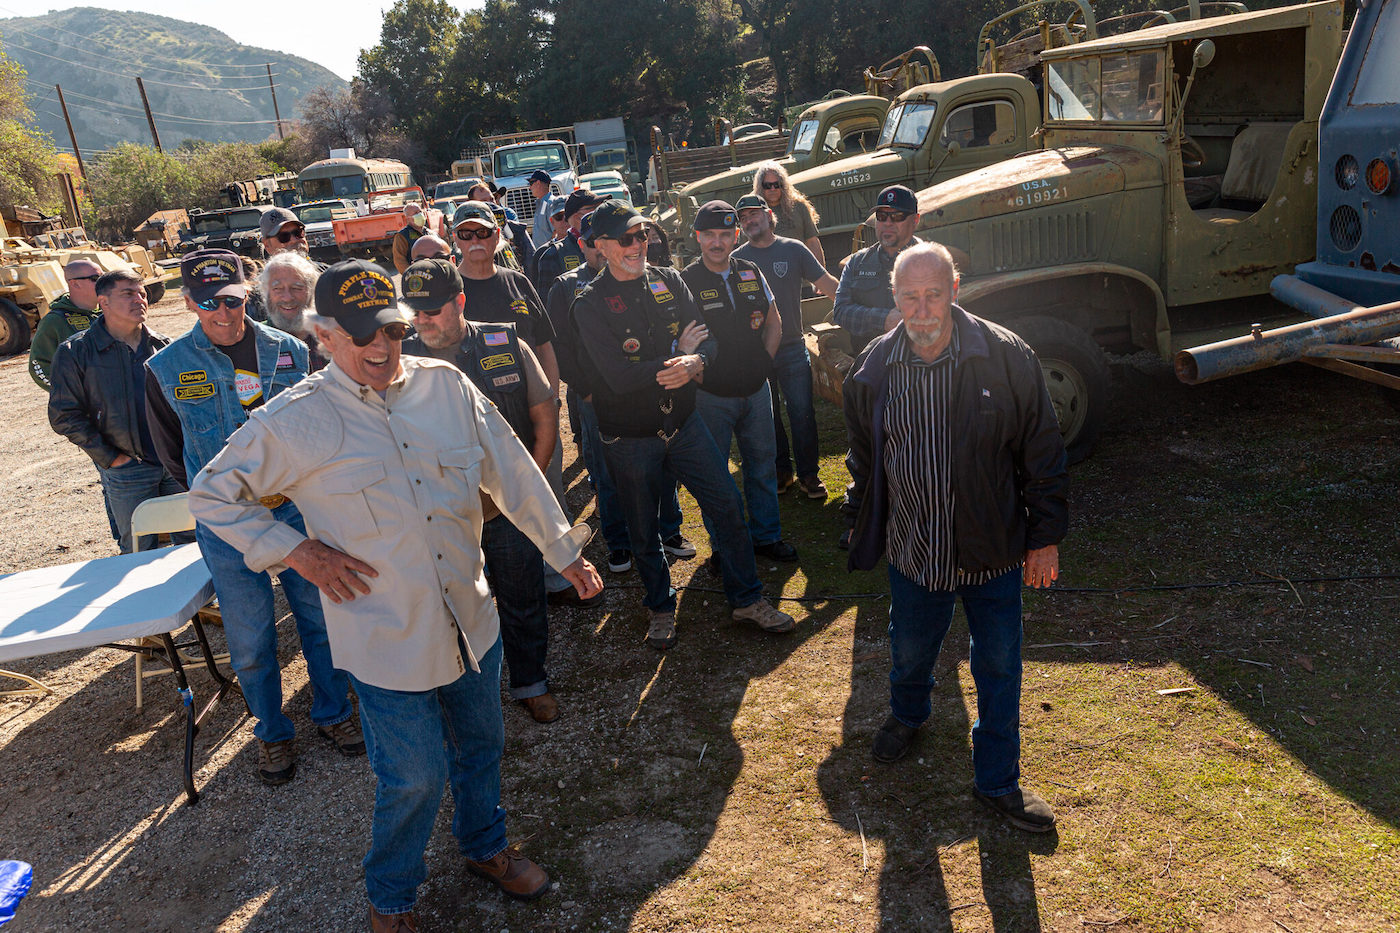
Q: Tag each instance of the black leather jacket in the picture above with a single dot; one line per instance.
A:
(93, 402)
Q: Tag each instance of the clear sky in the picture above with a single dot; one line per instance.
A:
(328, 32)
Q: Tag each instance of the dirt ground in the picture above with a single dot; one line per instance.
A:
(728, 785)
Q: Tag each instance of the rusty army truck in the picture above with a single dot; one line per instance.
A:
(1178, 177)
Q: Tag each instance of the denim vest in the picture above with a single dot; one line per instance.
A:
(197, 379)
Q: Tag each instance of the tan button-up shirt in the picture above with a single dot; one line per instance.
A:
(394, 482)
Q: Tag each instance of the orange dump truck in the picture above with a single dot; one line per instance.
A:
(372, 235)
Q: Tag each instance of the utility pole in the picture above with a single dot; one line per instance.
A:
(149, 119)
(82, 169)
(275, 112)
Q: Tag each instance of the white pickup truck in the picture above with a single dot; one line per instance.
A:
(512, 166)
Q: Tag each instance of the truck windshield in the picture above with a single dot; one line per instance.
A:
(209, 224)
(524, 161)
(805, 136)
(315, 213)
(451, 189)
(339, 186)
(907, 124)
(1124, 88)
(1379, 81)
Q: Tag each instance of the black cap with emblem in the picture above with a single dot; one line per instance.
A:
(715, 215)
(428, 284)
(359, 296)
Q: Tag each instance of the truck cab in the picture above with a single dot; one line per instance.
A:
(512, 166)
(1173, 185)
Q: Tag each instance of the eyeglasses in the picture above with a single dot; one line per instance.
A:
(287, 236)
(772, 185)
(886, 217)
(481, 233)
(220, 301)
(85, 278)
(426, 312)
(627, 240)
(394, 330)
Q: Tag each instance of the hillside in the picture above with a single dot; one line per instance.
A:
(206, 85)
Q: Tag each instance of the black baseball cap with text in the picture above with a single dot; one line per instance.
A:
(580, 199)
(207, 272)
(614, 218)
(359, 296)
(428, 284)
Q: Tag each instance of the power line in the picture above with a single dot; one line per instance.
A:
(94, 39)
(140, 112)
(136, 62)
(115, 74)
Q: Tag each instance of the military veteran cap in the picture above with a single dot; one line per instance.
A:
(613, 218)
(478, 211)
(359, 296)
(429, 284)
(899, 198)
(715, 215)
(207, 272)
(585, 228)
(749, 202)
(540, 174)
(581, 199)
(273, 220)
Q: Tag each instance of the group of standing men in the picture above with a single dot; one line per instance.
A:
(398, 477)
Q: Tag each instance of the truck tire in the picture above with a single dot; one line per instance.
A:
(155, 292)
(1076, 373)
(14, 329)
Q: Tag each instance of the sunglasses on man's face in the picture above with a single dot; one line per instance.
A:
(220, 301)
(772, 185)
(480, 233)
(628, 240)
(85, 278)
(394, 330)
(287, 236)
(888, 217)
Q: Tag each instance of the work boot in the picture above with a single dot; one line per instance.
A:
(893, 740)
(513, 873)
(1022, 808)
(766, 617)
(277, 763)
(542, 708)
(345, 736)
(392, 923)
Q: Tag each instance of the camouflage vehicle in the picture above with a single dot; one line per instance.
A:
(1174, 184)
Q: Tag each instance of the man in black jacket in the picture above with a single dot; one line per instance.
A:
(98, 400)
(958, 478)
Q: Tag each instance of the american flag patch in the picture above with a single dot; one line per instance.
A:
(657, 287)
(498, 339)
(747, 275)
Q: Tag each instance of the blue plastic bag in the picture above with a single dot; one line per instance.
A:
(15, 879)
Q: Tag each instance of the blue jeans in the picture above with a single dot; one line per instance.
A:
(245, 600)
(792, 371)
(750, 421)
(416, 741)
(517, 578)
(643, 467)
(127, 486)
(919, 619)
(609, 506)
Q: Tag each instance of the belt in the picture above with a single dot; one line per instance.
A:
(273, 501)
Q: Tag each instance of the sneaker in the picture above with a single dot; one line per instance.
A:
(571, 598)
(620, 561)
(813, 487)
(785, 481)
(661, 633)
(766, 617)
(513, 873)
(276, 762)
(392, 923)
(1022, 808)
(345, 736)
(893, 740)
(678, 546)
(776, 550)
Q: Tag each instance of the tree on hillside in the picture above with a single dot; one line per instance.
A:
(132, 182)
(28, 159)
(357, 117)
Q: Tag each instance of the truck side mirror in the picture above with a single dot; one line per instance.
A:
(1203, 54)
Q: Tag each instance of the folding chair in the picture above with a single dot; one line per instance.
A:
(164, 515)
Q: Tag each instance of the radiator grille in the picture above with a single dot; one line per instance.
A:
(1037, 240)
(522, 201)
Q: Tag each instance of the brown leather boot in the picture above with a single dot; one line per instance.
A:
(392, 923)
(513, 873)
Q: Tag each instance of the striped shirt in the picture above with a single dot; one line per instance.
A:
(919, 469)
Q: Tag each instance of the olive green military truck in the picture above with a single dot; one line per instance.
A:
(1178, 177)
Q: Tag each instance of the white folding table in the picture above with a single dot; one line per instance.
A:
(96, 603)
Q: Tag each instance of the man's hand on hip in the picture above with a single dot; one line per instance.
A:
(1042, 566)
(334, 573)
(584, 577)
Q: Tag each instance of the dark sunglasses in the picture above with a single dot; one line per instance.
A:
(627, 240)
(287, 236)
(426, 312)
(218, 301)
(394, 330)
(891, 216)
(772, 185)
(85, 278)
(481, 233)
